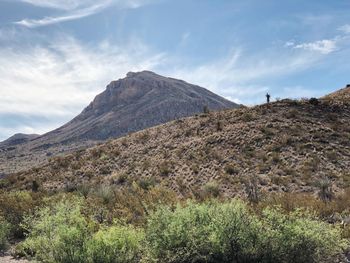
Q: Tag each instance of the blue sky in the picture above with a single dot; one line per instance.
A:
(56, 55)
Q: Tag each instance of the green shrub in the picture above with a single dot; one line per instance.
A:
(4, 233)
(57, 234)
(116, 244)
(231, 232)
(183, 235)
(299, 237)
(16, 204)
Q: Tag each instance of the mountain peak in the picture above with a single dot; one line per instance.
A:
(144, 73)
(156, 98)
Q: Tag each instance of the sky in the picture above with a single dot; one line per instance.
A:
(57, 55)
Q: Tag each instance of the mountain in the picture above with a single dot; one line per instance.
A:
(141, 100)
(285, 146)
(17, 139)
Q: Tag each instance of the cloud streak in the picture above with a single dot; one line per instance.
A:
(239, 76)
(325, 46)
(75, 9)
(60, 4)
(81, 13)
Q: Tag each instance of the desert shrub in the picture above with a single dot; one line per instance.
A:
(116, 244)
(4, 233)
(252, 189)
(147, 183)
(16, 204)
(164, 169)
(314, 101)
(231, 169)
(299, 237)
(211, 189)
(57, 234)
(219, 125)
(325, 189)
(232, 232)
(105, 193)
(183, 235)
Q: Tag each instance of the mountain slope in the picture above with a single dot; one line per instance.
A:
(18, 138)
(342, 95)
(139, 101)
(284, 146)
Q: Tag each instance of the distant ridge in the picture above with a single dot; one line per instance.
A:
(17, 139)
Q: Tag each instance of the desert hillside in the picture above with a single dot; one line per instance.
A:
(283, 146)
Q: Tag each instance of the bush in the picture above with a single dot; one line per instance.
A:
(4, 233)
(211, 189)
(14, 205)
(231, 232)
(314, 101)
(299, 237)
(57, 234)
(183, 235)
(116, 244)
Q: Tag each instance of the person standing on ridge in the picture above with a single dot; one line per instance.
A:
(268, 96)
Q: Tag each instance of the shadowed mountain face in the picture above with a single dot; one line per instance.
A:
(139, 101)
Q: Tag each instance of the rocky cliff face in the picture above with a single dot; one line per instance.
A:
(139, 101)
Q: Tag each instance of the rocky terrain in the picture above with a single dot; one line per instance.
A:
(342, 95)
(139, 101)
(283, 146)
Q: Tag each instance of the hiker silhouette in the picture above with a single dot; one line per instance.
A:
(268, 96)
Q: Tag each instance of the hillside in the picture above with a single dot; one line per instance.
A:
(341, 96)
(284, 146)
(141, 100)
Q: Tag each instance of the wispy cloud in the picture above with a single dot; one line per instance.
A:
(325, 46)
(345, 29)
(75, 9)
(80, 13)
(240, 75)
(60, 4)
(57, 81)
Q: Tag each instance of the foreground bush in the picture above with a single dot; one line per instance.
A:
(116, 244)
(299, 237)
(15, 205)
(230, 232)
(183, 235)
(57, 234)
(210, 232)
(4, 233)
